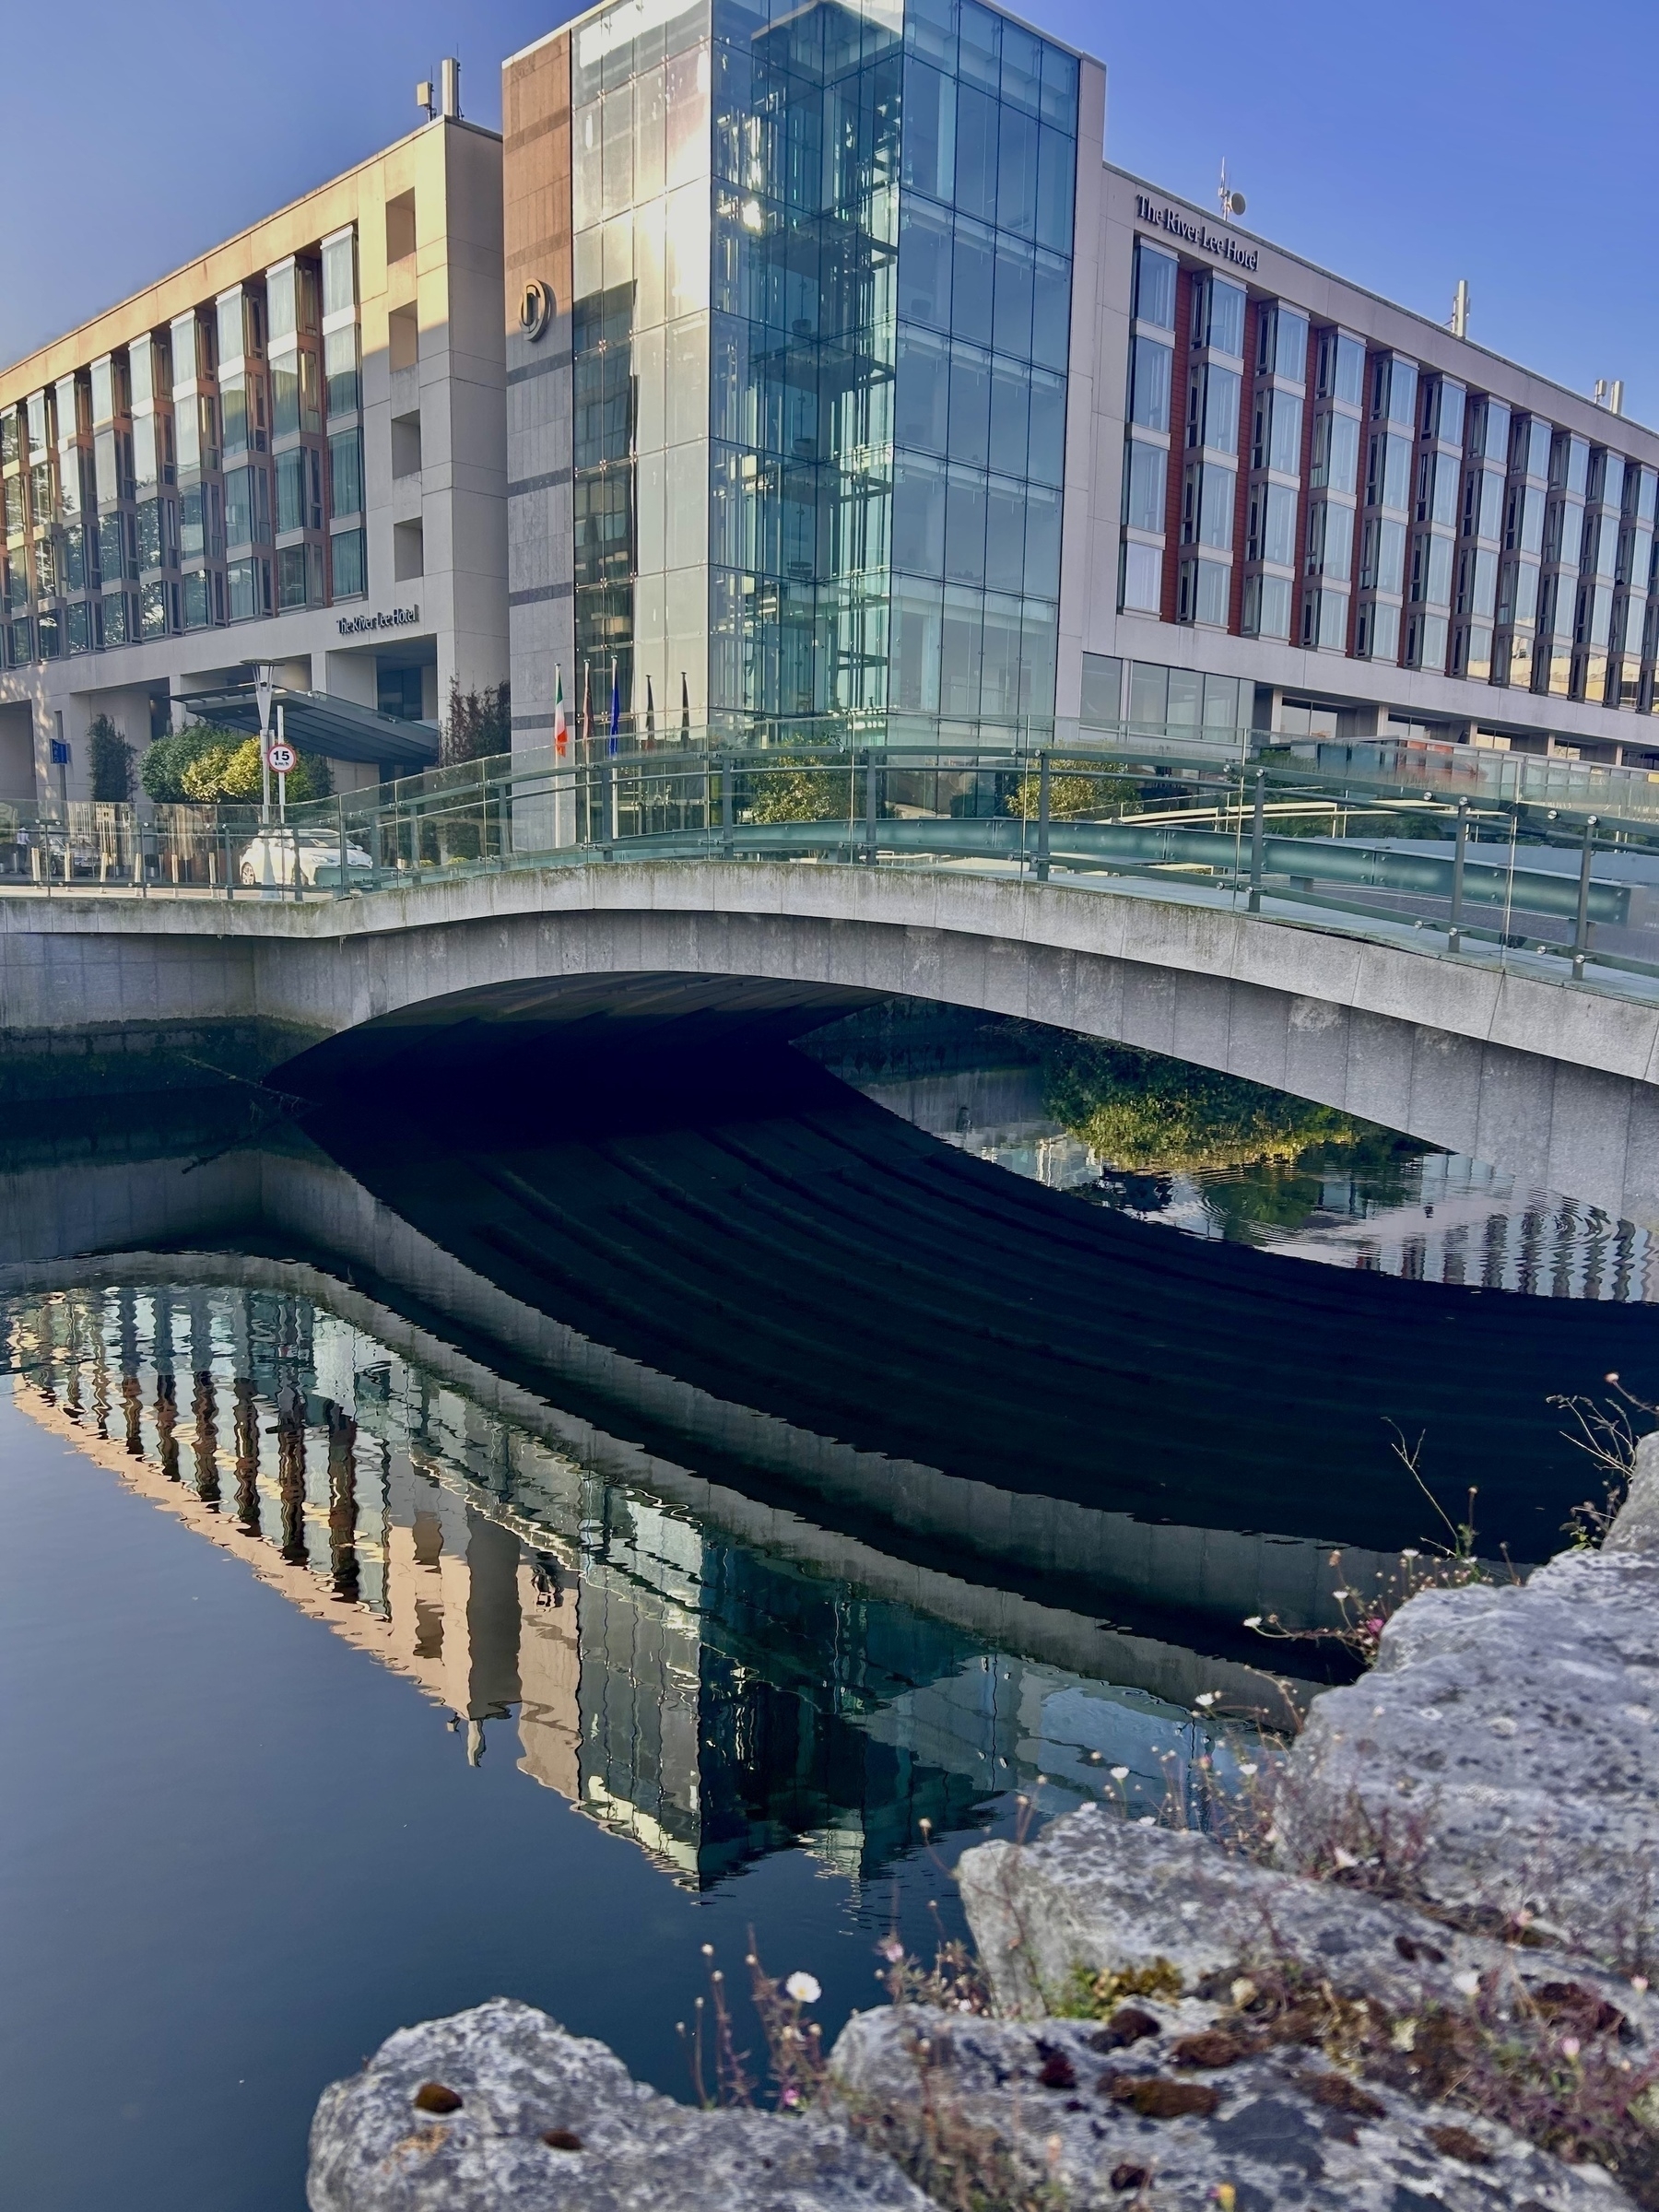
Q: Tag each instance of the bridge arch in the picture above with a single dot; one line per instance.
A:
(1554, 1082)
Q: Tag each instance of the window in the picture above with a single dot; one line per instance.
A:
(340, 273)
(203, 605)
(298, 491)
(1275, 441)
(77, 627)
(1154, 286)
(1141, 589)
(1145, 485)
(1266, 606)
(158, 616)
(1272, 533)
(1149, 367)
(298, 576)
(1202, 593)
(403, 338)
(1341, 367)
(1282, 349)
(346, 472)
(1103, 690)
(1207, 506)
(340, 370)
(248, 589)
(1330, 541)
(75, 558)
(350, 568)
(1388, 473)
(1213, 415)
(1382, 562)
(1219, 315)
(247, 507)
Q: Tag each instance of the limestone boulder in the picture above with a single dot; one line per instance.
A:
(498, 2108)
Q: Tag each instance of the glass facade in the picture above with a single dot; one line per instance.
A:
(821, 312)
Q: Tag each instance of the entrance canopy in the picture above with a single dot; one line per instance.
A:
(316, 723)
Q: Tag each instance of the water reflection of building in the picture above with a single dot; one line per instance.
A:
(710, 1700)
(1439, 1217)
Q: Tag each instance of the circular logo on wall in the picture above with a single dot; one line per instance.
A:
(535, 308)
(282, 760)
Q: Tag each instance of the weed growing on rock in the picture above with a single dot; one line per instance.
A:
(1608, 1431)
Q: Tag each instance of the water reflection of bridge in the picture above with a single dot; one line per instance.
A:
(712, 1700)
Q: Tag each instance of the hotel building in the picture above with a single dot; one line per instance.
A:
(834, 374)
(289, 452)
(845, 377)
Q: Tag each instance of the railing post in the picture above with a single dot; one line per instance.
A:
(1255, 841)
(340, 823)
(870, 806)
(1581, 936)
(727, 803)
(298, 892)
(1044, 797)
(229, 861)
(1455, 927)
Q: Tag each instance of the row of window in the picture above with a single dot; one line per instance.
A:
(246, 590)
(1407, 520)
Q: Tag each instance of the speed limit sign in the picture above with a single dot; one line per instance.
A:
(281, 759)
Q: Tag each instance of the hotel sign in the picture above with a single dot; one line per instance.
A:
(400, 618)
(1192, 231)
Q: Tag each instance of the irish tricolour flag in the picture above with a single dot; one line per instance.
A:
(561, 736)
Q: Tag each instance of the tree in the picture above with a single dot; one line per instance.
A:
(112, 758)
(1070, 797)
(788, 789)
(206, 766)
(478, 724)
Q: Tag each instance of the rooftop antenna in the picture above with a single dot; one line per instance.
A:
(424, 97)
(1610, 395)
(1230, 201)
(1458, 320)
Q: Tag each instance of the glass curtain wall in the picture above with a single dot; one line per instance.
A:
(640, 77)
(985, 207)
(805, 213)
(821, 311)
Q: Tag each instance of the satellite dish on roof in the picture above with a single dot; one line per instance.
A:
(1233, 204)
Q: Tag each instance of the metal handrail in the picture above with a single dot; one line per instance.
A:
(1259, 828)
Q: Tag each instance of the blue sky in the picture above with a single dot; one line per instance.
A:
(1501, 140)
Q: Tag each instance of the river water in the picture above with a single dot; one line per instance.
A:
(451, 1552)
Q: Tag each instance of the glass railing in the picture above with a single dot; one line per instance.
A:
(1446, 847)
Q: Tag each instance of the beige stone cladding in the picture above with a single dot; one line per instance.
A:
(536, 108)
(434, 461)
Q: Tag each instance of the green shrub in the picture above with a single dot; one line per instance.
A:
(790, 790)
(206, 766)
(1070, 797)
(1142, 1112)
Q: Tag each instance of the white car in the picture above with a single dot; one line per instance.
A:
(270, 858)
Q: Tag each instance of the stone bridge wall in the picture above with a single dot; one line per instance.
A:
(1558, 1083)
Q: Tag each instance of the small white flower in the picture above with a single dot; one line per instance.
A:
(1343, 1858)
(1120, 1773)
(1639, 1981)
(1247, 1766)
(1253, 1620)
(1411, 1555)
(1342, 1594)
(1571, 2046)
(1467, 1984)
(804, 1989)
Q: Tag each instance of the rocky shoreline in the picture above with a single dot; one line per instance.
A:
(1426, 1985)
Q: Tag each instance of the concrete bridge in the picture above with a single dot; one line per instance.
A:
(1554, 1079)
